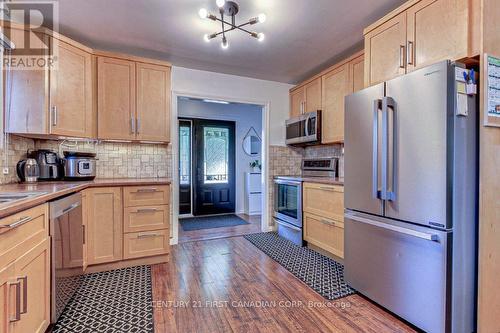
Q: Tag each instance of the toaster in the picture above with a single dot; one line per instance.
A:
(79, 166)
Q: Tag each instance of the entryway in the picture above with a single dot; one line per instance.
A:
(219, 142)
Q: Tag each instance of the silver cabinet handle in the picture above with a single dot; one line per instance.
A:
(395, 228)
(146, 210)
(377, 105)
(24, 279)
(147, 190)
(132, 125)
(70, 208)
(401, 56)
(330, 189)
(331, 223)
(146, 235)
(18, 223)
(138, 125)
(54, 115)
(83, 234)
(17, 314)
(410, 54)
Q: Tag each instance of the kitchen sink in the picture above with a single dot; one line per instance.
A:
(6, 197)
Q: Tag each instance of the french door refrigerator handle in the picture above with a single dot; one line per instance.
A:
(388, 102)
(395, 228)
(377, 104)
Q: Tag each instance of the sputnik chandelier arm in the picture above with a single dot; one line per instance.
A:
(230, 8)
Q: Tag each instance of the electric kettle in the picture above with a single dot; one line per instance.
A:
(28, 170)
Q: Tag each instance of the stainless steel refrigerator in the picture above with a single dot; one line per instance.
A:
(411, 197)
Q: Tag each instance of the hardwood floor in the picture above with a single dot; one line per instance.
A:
(228, 285)
(214, 233)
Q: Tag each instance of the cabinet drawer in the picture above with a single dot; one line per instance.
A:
(143, 244)
(324, 200)
(26, 227)
(146, 195)
(324, 233)
(146, 218)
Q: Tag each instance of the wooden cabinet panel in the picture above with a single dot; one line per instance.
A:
(71, 93)
(153, 102)
(436, 30)
(385, 48)
(297, 100)
(33, 271)
(85, 223)
(357, 74)
(324, 233)
(7, 296)
(146, 218)
(335, 87)
(33, 228)
(104, 242)
(312, 92)
(143, 244)
(324, 200)
(116, 98)
(146, 195)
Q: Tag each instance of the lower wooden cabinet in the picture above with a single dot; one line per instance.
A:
(143, 244)
(25, 291)
(104, 224)
(137, 219)
(324, 233)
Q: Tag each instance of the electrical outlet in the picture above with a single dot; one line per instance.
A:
(5, 171)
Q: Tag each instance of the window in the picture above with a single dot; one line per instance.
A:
(185, 155)
(216, 155)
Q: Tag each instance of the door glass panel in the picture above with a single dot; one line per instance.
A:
(286, 202)
(185, 155)
(216, 155)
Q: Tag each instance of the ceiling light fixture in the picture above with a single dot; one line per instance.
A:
(230, 8)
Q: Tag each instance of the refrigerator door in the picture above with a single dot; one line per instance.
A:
(400, 266)
(362, 145)
(418, 108)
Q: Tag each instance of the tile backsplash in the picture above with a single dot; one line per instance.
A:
(115, 159)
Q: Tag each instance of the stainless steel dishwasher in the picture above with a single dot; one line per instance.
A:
(67, 239)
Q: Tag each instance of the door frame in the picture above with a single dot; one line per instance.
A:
(175, 157)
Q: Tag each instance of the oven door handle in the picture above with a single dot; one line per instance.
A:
(287, 225)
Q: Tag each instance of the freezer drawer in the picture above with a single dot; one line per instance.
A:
(400, 266)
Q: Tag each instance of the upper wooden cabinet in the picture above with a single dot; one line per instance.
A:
(55, 102)
(326, 92)
(133, 100)
(116, 99)
(417, 34)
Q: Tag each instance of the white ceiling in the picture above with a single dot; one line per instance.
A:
(302, 36)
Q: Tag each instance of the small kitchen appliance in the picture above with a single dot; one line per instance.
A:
(28, 170)
(79, 166)
(304, 130)
(50, 165)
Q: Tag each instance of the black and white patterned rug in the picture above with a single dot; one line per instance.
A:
(322, 274)
(112, 301)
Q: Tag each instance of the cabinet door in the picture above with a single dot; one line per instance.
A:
(385, 48)
(313, 95)
(104, 242)
(437, 30)
(297, 99)
(71, 93)
(33, 271)
(116, 98)
(357, 74)
(144, 244)
(335, 88)
(8, 291)
(153, 102)
(325, 233)
(324, 200)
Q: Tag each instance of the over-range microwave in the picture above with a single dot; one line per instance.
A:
(304, 129)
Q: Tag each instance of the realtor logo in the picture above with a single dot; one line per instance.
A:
(27, 28)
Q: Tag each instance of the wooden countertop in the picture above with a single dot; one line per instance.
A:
(60, 188)
(318, 180)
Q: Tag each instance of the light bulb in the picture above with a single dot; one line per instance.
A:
(261, 37)
(224, 44)
(220, 3)
(206, 38)
(203, 13)
(262, 18)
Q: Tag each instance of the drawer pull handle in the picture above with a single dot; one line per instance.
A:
(146, 235)
(328, 222)
(25, 294)
(17, 314)
(331, 189)
(146, 190)
(146, 210)
(18, 223)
